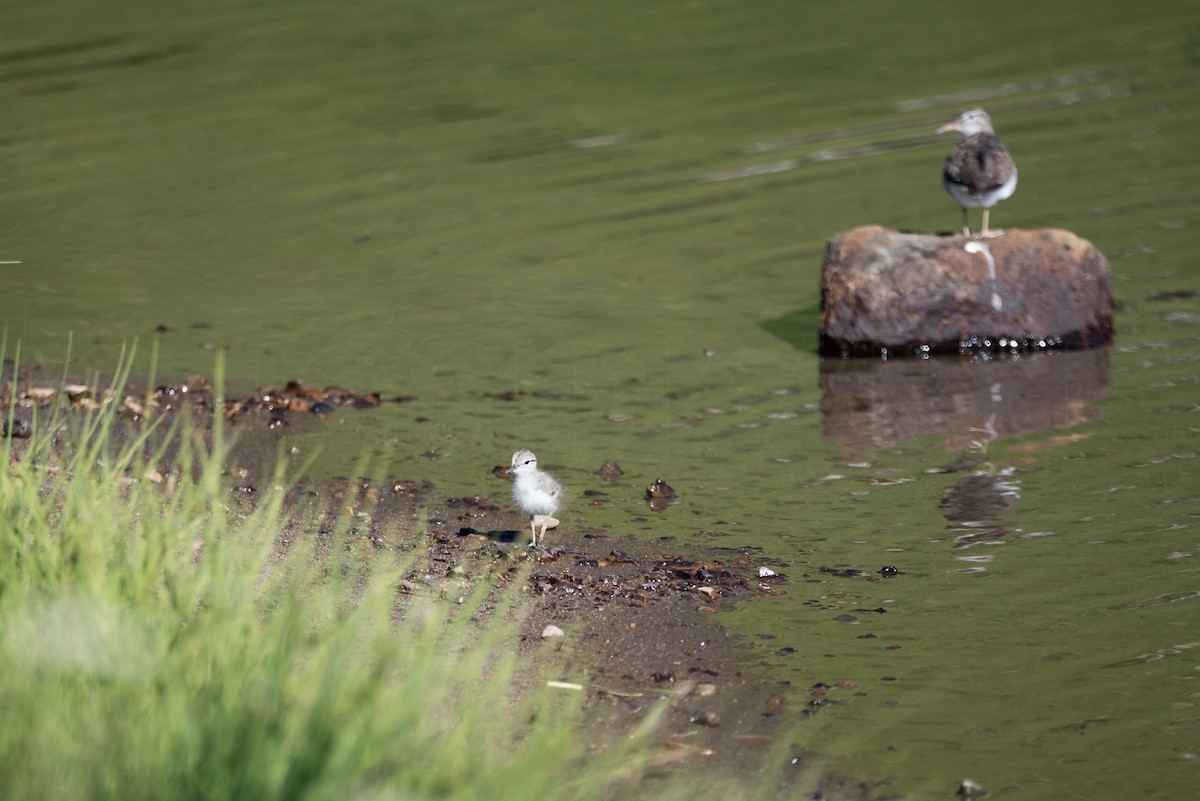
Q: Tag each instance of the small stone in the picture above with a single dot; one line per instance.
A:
(134, 406)
(705, 690)
(660, 489)
(970, 789)
(552, 631)
(19, 429)
(706, 719)
(659, 495)
(709, 593)
(610, 471)
(766, 572)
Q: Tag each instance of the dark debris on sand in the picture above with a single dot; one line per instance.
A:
(272, 407)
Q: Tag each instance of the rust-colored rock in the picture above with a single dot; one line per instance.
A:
(889, 293)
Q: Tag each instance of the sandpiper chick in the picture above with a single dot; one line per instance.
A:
(979, 172)
(537, 492)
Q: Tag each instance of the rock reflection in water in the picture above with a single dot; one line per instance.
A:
(969, 401)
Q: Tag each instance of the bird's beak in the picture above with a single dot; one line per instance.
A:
(947, 128)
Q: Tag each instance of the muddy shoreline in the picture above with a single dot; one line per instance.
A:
(634, 623)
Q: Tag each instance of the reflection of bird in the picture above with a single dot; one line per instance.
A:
(979, 172)
(537, 492)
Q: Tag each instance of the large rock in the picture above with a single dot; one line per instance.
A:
(884, 292)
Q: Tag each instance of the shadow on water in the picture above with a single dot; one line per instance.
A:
(797, 328)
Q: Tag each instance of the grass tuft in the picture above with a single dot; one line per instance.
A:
(156, 642)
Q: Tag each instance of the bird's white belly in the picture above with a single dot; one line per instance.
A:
(535, 499)
(982, 201)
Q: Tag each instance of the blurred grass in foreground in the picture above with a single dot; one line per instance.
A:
(156, 642)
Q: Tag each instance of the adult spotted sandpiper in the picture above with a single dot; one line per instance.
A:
(537, 492)
(979, 171)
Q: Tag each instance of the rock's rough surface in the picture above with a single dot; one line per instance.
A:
(886, 292)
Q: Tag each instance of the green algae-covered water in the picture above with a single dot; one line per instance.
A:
(617, 210)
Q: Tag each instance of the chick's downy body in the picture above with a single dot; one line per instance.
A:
(536, 492)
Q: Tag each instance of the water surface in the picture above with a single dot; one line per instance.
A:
(618, 210)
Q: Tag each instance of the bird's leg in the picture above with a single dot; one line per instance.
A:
(545, 524)
(533, 530)
(983, 233)
(966, 225)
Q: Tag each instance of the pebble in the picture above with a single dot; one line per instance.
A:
(970, 789)
(552, 631)
(660, 489)
(610, 471)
